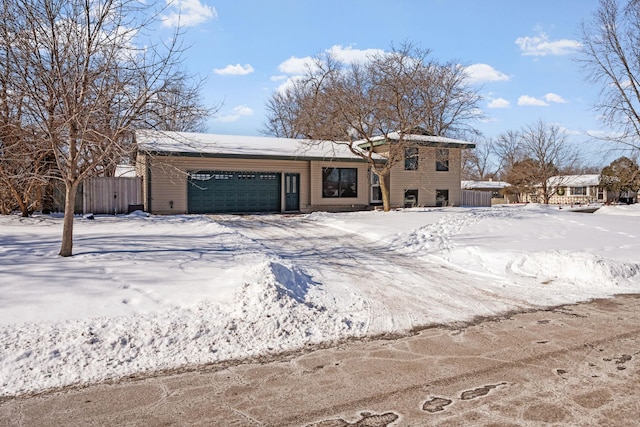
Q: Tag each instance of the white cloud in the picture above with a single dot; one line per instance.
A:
(541, 45)
(549, 98)
(288, 83)
(573, 132)
(235, 114)
(187, 13)
(349, 55)
(296, 66)
(499, 103)
(527, 100)
(552, 97)
(234, 70)
(484, 73)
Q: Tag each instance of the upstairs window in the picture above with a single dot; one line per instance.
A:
(442, 159)
(411, 159)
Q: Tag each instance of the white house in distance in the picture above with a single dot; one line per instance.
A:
(207, 173)
(572, 190)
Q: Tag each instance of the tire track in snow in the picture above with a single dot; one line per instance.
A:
(404, 287)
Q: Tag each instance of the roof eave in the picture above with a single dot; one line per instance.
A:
(462, 145)
(251, 156)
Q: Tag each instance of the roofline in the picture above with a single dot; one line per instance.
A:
(252, 156)
(461, 145)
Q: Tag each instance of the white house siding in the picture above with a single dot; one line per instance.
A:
(568, 199)
(562, 187)
(426, 179)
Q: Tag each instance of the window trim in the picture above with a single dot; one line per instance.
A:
(375, 188)
(442, 160)
(442, 201)
(339, 192)
(411, 158)
(584, 191)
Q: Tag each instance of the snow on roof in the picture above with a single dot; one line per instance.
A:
(418, 138)
(125, 171)
(238, 145)
(484, 184)
(574, 180)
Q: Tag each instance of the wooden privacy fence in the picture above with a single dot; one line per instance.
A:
(112, 195)
(476, 198)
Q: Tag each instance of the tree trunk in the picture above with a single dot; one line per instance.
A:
(545, 195)
(21, 204)
(384, 190)
(66, 249)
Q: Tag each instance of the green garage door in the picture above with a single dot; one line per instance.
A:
(233, 192)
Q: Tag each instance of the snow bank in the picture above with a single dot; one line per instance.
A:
(578, 269)
(627, 210)
(146, 293)
(270, 315)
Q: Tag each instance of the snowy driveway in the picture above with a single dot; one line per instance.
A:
(384, 285)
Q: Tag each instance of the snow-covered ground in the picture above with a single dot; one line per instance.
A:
(146, 293)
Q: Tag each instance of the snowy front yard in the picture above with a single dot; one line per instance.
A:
(146, 293)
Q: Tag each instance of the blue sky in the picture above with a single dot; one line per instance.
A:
(521, 53)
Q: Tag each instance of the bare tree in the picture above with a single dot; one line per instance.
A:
(283, 110)
(89, 78)
(25, 158)
(26, 170)
(621, 176)
(508, 150)
(477, 163)
(179, 107)
(611, 59)
(387, 97)
(522, 178)
(547, 148)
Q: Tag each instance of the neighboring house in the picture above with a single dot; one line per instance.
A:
(572, 190)
(495, 188)
(207, 173)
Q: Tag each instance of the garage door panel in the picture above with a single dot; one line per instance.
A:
(233, 192)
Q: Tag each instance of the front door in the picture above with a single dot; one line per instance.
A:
(292, 191)
(376, 193)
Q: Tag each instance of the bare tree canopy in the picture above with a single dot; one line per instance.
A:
(611, 59)
(82, 75)
(534, 155)
(508, 150)
(522, 177)
(621, 176)
(477, 163)
(391, 92)
(179, 107)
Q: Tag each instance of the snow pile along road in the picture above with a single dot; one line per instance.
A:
(154, 293)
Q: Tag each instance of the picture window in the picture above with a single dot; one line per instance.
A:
(339, 182)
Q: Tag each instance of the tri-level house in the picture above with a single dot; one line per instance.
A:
(209, 173)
